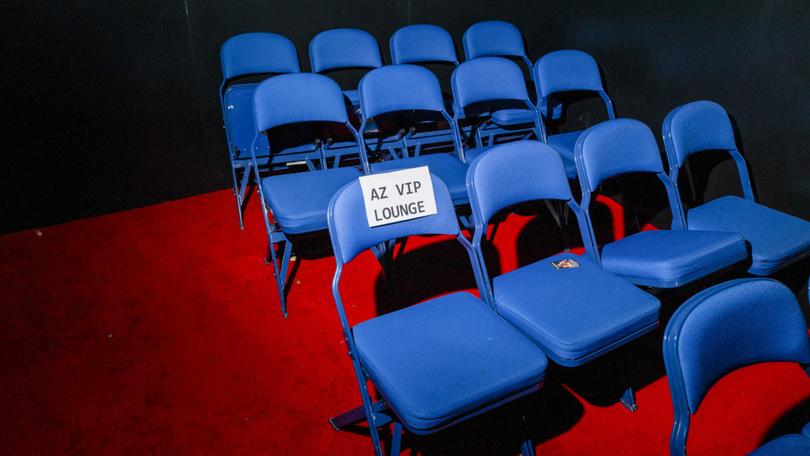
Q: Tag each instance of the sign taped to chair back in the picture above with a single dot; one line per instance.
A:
(397, 196)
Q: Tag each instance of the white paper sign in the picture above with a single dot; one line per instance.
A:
(398, 196)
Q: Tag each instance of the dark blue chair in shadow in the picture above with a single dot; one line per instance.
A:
(414, 91)
(243, 56)
(573, 309)
(777, 239)
(343, 49)
(557, 73)
(655, 258)
(298, 201)
(482, 84)
(436, 363)
(723, 328)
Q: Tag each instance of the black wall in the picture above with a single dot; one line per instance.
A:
(113, 105)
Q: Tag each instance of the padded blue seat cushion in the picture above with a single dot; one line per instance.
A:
(671, 258)
(299, 200)
(574, 314)
(564, 144)
(437, 360)
(786, 445)
(475, 152)
(449, 169)
(776, 238)
(508, 117)
(353, 96)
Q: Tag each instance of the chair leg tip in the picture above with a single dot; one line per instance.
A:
(631, 406)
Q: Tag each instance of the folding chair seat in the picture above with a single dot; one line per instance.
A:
(488, 82)
(298, 202)
(566, 71)
(664, 258)
(499, 39)
(435, 363)
(248, 54)
(786, 445)
(574, 314)
(341, 49)
(777, 239)
(721, 329)
(401, 88)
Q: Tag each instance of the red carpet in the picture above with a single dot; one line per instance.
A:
(157, 330)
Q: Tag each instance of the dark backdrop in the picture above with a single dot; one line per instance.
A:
(112, 105)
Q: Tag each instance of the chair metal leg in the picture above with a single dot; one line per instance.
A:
(396, 439)
(527, 446)
(628, 398)
(355, 415)
(236, 197)
(280, 268)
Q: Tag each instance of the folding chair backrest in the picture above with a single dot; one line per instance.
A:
(513, 173)
(343, 48)
(395, 88)
(567, 70)
(724, 328)
(294, 98)
(351, 234)
(493, 39)
(422, 43)
(258, 53)
(615, 147)
(487, 79)
(697, 127)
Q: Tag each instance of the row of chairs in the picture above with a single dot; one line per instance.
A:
(450, 358)
(245, 56)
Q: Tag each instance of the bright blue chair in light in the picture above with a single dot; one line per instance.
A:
(566, 71)
(777, 239)
(489, 81)
(341, 49)
(726, 327)
(409, 88)
(574, 314)
(499, 39)
(248, 54)
(297, 201)
(655, 258)
(436, 363)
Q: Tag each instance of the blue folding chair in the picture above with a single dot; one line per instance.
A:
(297, 201)
(574, 310)
(248, 54)
(341, 49)
(436, 363)
(721, 329)
(403, 88)
(655, 258)
(786, 445)
(499, 39)
(566, 71)
(777, 239)
(489, 81)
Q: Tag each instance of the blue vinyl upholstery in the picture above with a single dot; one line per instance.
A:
(452, 171)
(258, 53)
(723, 328)
(343, 48)
(777, 239)
(574, 314)
(493, 39)
(564, 144)
(662, 259)
(437, 362)
(293, 98)
(786, 445)
(422, 43)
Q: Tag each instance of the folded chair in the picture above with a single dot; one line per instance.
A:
(726, 327)
(777, 239)
(402, 89)
(436, 363)
(566, 71)
(483, 84)
(341, 49)
(296, 203)
(569, 306)
(248, 54)
(499, 39)
(655, 258)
